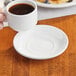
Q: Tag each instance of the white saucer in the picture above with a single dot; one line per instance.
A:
(41, 42)
(56, 5)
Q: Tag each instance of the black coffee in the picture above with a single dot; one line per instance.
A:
(21, 9)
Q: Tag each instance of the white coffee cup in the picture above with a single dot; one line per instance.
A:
(21, 22)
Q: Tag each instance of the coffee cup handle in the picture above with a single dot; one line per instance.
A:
(5, 24)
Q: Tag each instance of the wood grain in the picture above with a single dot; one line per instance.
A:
(13, 64)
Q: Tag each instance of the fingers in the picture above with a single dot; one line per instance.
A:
(2, 17)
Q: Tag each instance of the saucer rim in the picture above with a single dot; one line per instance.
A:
(56, 6)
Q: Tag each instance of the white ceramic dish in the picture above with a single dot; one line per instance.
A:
(41, 42)
(56, 5)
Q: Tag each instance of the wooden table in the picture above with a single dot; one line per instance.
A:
(13, 64)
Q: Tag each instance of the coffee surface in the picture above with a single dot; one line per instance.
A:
(21, 9)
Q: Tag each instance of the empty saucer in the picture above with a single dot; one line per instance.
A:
(41, 42)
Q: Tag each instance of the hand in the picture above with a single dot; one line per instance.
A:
(2, 18)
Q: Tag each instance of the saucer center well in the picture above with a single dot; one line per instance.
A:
(39, 46)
